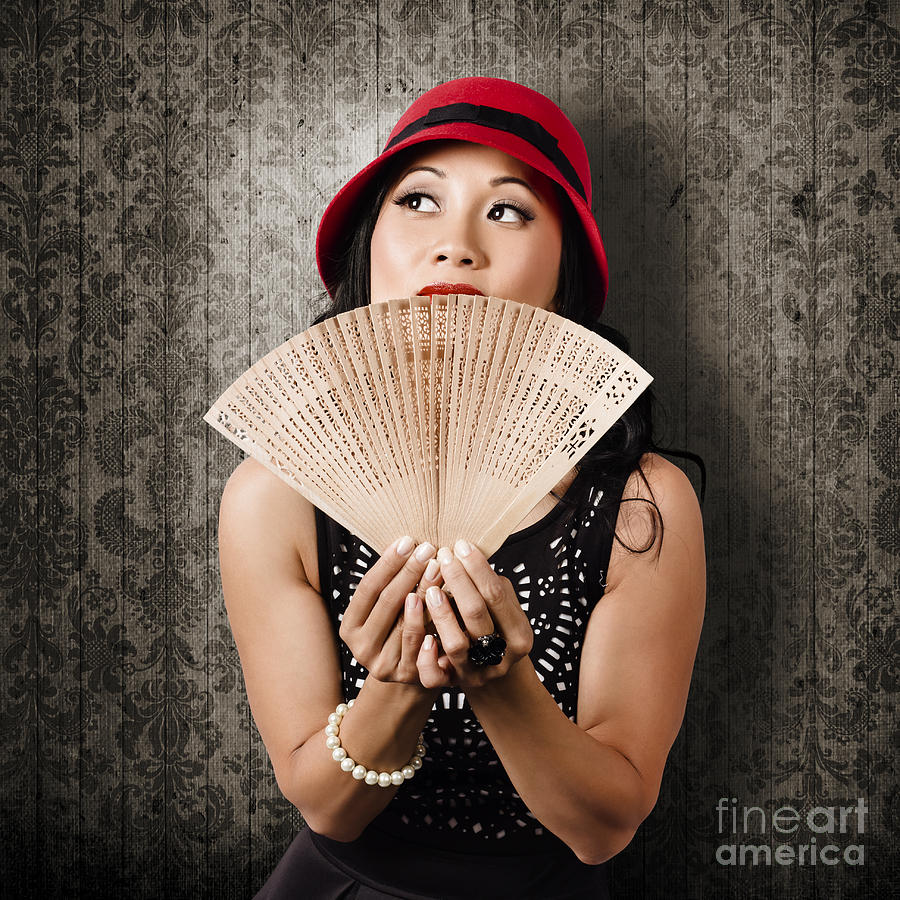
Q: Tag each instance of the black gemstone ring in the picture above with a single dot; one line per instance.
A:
(487, 650)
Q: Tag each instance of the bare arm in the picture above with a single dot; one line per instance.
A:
(290, 660)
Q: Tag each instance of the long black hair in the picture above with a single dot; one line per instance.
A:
(618, 453)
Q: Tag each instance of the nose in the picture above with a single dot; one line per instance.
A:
(458, 245)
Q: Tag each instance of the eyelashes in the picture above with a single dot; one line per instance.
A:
(407, 196)
(522, 210)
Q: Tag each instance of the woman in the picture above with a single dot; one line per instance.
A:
(542, 758)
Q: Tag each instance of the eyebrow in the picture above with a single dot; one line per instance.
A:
(494, 182)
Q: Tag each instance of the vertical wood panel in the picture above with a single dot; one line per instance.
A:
(99, 607)
(236, 771)
(791, 557)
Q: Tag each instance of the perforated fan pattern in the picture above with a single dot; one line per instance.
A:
(441, 417)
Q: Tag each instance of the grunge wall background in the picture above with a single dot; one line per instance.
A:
(163, 165)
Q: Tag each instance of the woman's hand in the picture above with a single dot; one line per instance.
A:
(384, 637)
(486, 602)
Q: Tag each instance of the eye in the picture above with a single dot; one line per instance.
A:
(511, 213)
(417, 201)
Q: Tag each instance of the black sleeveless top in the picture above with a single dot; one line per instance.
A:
(462, 799)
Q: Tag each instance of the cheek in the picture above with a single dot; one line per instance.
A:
(549, 252)
(390, 253)
(542, 275)
(378, 248)
(383, 259)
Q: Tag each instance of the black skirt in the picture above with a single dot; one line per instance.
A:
(379, 867)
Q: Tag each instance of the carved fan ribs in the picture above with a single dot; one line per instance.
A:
(440, 417)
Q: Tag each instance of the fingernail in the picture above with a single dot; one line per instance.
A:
(433, 596)
(406, 544)
(432, 569)
(428, 643)
(444, 556)
(424, 551)
(411, 602)
(462, 548)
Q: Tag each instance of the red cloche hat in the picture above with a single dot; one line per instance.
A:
(493, 112)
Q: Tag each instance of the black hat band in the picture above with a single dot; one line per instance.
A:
(500, 119)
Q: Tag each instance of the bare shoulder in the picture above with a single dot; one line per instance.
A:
(659, 505)
(666, 481)
(268, 510)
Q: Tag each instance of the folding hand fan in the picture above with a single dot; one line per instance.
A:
(439, 417)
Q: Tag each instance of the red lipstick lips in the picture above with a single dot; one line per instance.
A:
(443, 287)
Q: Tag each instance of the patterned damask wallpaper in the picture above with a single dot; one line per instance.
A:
(164, 164)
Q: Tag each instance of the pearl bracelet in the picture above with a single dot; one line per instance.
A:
(359, 771)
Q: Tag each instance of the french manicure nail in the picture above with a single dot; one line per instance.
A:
(405, 545)
(410, 602)
(444, 556)
(432, 569)
(462, 548)
(424, 551)
(428, 643)
(433, 596)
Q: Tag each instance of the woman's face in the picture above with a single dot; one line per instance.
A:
(461, 214)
